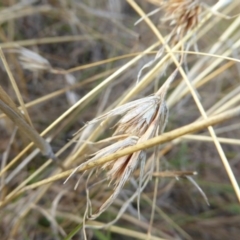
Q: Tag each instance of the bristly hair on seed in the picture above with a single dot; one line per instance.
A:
(142, 119)
(182, 16)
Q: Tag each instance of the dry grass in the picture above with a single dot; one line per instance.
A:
(70, 65)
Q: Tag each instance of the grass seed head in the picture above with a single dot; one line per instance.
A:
(32, 61)
(142, 119)
(118, 170)
(115, 167)
(182, 15)
(138, 119)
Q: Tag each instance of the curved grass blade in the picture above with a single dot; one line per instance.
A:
(74, 232)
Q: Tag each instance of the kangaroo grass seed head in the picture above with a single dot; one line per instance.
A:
(115, 167)
(124, 166)
(118, 170)
(142, 119)
(138, 119)
(182, 15)
(32, 61)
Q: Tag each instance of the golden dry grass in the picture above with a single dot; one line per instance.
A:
(64, 63)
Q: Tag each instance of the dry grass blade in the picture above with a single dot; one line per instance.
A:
(52, 220)
(199, 189)
(15, 87)
(8, 101)
(29, 10)
(174, 174)
(209, 139)
(4, 161)
(27, 130)
(57, 93)
(9, 108)
(39, 41)
(126, 232)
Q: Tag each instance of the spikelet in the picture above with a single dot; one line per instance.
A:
(32, 61)
(145, 124)
(115, 167)
(138, 119)
(142, 119)
(182, 15)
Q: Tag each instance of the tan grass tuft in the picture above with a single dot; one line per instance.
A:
(142, 119)
(182, 15)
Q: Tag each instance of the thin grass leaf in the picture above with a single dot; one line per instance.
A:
(27, 130)
(74, 232)
(199, 189)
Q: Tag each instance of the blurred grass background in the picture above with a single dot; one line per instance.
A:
(81, 44)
